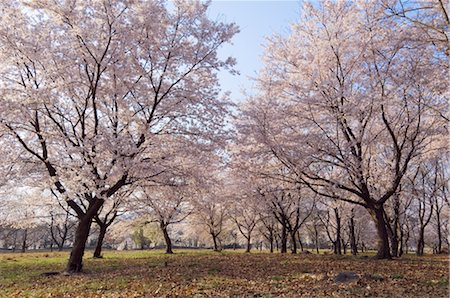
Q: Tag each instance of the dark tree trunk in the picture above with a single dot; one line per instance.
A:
(300, 241)
(24, 240)
(283, 239)
(249, 245)
(271, 244)
(167, 239)
(337, 248)
(395, 246)
(101, 237)
(294, 243)
(439, 230)
(316, 238)
(407, 242)
(75, 263)
(421, 242)
(377, 213)
(216, 247)
(394, 231)
(353, 247)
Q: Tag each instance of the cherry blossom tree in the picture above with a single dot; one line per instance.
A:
(346, 103)
(91, 89)
(165, 205)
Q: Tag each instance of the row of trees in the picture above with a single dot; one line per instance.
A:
(352, 105)
(283, 219)
(114, 109)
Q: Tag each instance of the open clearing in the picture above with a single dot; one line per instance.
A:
(201, 273)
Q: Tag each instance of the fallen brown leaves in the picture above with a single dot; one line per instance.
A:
(206, 274)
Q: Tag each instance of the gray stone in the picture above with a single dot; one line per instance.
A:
(344, 277)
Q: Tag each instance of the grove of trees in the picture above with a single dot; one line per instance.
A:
(115, 132)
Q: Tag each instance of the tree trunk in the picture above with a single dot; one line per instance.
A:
(439, 231)
(271, 244)
(24, 242)
(248, 244)
(75, 263)
(353, 247)
(166, 239)
(294, 243)
(316, 238)
(338, 249)
(395, 246)
(283, 239)
(421, 242)
(216, 248)
(300, 241)
(101, 237)
(377, 213)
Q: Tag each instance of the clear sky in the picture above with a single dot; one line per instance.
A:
(256, 20)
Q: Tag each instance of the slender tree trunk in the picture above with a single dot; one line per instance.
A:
(24, 241)
(271, 244)
(338, 249)
(316, 238)
(101, 237)
(300, 241)
(167, 239)
(294, 243)
(377, 214)
(353, 247)
(439, 230)
(400, 249)
(344, 247)
(283, 239)
(216, 248)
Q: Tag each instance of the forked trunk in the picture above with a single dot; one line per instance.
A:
(294, 243)
(216, 247)
(75, 263)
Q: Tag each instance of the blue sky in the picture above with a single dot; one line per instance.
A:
(256, 20)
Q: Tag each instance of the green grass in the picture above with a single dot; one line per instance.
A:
(204, 273)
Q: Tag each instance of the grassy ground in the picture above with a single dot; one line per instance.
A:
(201, 273)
